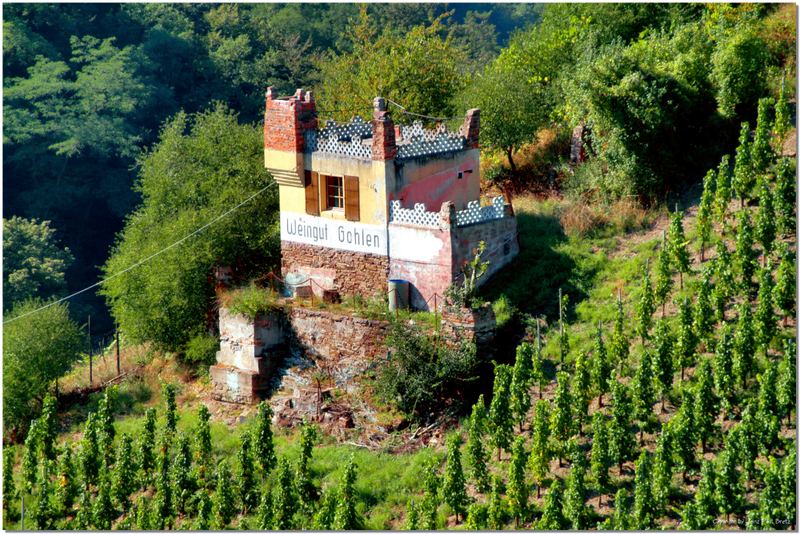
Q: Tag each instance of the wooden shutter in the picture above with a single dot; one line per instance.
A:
(351, 206)
(312, 193)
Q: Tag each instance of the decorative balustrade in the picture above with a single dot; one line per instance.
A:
(342, 139)
(475, 213)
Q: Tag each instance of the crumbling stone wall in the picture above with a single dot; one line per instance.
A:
(502, 245)
(351, 273)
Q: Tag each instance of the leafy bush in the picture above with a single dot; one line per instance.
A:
(249, 300)
(201, 349)
(504, 311)
(425, 370)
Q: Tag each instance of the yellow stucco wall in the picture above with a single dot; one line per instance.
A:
(371, 186)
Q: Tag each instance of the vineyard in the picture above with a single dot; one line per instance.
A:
(666, 398)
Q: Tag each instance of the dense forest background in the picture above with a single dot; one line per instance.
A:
(661, 88)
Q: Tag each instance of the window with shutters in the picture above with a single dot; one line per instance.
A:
(334, 192)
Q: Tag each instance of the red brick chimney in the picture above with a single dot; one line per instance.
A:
(471, 127)
(384, 146)
(285, 120)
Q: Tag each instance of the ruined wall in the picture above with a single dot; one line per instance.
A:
(349, 272)
(502, 245)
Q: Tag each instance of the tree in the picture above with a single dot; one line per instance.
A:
(124, 482)
(618, 348)
(582, 391)
(220, 165)
(621, 520)
(761, 151)
(600, 455)
(182, 481)
(744, 345)
(285, 501)
(663, 274)
(785, 197)
(89, 458)
(678, 245)
(517, 485)
(724, 381)
(737, 69)
(346, 517)
(552, 515)
(745, 257)
(643, 517)
(224, 508)
(743, 174)
(103, 509)
(620, 439)
(705, 408)
(725, 282)
(539, 459)
(561, 419)
(765, 218)
(704, 211)
(785, 291)
(520, 384)
(723, 194)
(575, 509)
(263, 445)
(454, 489)
(33, 262)
(787, 379)
(29, 367)
(662, 362)
(729, 487)
(477, 456)
(643, 393)
(264, 511)
(766, 321)
(646, 307)
(146, 444)
(500, 420)
(686, 342)
(601, 370)
(495, 514)
(703, 311)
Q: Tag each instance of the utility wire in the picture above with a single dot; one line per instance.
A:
(406, 112)
(148, 258)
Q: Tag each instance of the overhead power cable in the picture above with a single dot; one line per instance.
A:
(148, 258)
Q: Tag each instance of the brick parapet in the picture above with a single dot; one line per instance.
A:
(286, 120)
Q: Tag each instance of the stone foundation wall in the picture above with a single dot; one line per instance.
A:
(502, 244)
(340, 344)
(351, 273)
(237, 385)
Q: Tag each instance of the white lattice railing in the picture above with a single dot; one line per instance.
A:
(343, 139)
(474, 213)
(418, 215)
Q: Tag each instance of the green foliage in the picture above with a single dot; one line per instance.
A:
(743, 173)
(765, 218)
(621, 444)
(219, 164)
(744, 345)
(539, 459)
(495, 513)
(745, 256)
(724, 185)
(600, 455)
(308, 436)
(147, 442)
(737, 69)
(203, 519)
(552, 515)
(346, 517)
(787, 378)
(224, 508)
(412, 516)
(9, 486)
(476, 517)
(704, 211)
(285, 502)
(681, 427)
(582, 393)
(729, 488)
(643, 393)
(618, 347)
(703, 311)
(785, 291)
(323, 520)
(477, 456)
(679, 244)
(761, 151)
(424, 369)
(705, 406)
(246, 483)
(201, 349)
(89, 456)
(103, 510)
(663, 274)
(562, 424)
(249, 300)
(454, 490)
(725, 283)
(646, 307)
(686, 342)
(663, 362)
(263, 445)
(724, 380)
(29, 367)
(768, 408)
(766, 321)
(520, 401)
(602, 368)
(785, 196)
(575, 509)
(33, 263)
(517, 485)
(124, 481)
(499, 410)
(705, 497)
(643, 517)
(621, 520)
(783, 118)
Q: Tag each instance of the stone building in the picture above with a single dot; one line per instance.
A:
(365, 202)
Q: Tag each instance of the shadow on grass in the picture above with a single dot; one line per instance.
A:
(532, 280)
